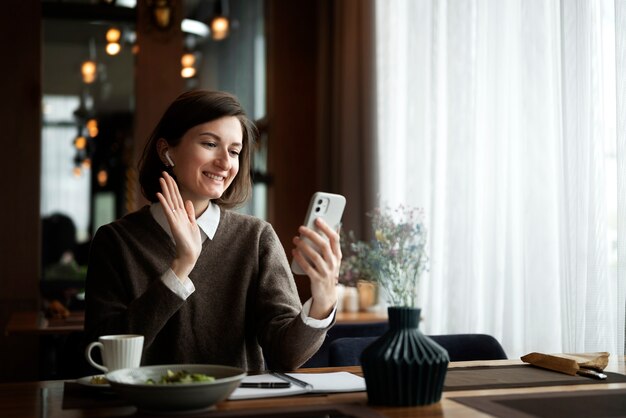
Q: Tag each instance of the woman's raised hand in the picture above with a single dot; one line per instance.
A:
(322, 267)
(181, 217)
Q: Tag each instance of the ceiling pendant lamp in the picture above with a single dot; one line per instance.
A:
(188, 62)
(220, 23)
(113, 36)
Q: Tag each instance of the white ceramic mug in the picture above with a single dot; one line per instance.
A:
(118, 351)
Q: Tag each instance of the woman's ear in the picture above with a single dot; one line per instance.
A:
(163, 151)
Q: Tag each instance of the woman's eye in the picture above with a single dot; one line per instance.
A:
(209, 144)
(234, 153)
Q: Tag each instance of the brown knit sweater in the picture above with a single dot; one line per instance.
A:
(245, 303)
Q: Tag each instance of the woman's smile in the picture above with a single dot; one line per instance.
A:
(213, 176)
(206, 161)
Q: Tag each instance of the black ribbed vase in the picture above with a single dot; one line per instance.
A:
(404, 367)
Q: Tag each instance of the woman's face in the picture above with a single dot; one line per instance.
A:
(207, 159)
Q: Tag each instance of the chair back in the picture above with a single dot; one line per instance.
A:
(460, 347)
(347, 351)
(468, 347)
(339, 331)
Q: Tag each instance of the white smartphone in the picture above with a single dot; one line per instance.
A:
(327, 206)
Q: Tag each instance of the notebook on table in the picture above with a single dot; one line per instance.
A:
(335, 382)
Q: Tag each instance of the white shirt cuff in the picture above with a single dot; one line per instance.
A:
(316, 323)
(182, 288)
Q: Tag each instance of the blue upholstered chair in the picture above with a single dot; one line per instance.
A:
(468, 347)
(345, 331)
(461, 347)
(347, 351)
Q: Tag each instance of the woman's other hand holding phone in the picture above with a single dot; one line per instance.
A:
(323, 268)
(182, 220)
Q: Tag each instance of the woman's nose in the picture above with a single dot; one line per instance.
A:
(223, 160)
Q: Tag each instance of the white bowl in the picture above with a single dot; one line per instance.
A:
(167, 397)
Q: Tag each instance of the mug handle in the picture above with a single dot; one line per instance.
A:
(90, 360)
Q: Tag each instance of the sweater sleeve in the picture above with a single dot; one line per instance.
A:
(286, 341)
(112, 305)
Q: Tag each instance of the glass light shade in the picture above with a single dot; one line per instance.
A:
(113, 48)
(80, 142)
(113, 35)
(219, 27)
(103, 177)
(188, 72)
(162, 13)
(188, 60)
(92, 127)
(88, 70)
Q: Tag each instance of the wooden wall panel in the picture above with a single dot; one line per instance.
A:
(294, 132)
(157, 78)
(20, 118)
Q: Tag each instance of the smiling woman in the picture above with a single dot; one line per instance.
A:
(208, 157)
(198, 127)
(144, 268)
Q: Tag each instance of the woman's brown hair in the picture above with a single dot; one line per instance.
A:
(192, 109)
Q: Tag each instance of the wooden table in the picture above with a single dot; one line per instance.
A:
(361, 317)
(44, 399)
(34, 323)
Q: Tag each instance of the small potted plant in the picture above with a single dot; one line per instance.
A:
(403, 366)
(360, 292)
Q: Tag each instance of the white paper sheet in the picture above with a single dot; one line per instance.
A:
(321, 382)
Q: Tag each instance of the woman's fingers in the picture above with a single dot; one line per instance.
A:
(163, 201)
(172, 200)
(309, 254)
(303, 262)
(319, 267)
(168, 192)
(176, 197)
(191, 212)
(181, 218)
(165, 192)
(173, 194)
(328, 246)
(319, 254)
(333, 236)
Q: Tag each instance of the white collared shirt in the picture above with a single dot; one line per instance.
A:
(208, 222)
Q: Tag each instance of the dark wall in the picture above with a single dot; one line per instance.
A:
(20, 118)
(294, 62)
(157, 81)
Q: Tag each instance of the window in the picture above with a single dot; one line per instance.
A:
(500, 120)
(63, 190)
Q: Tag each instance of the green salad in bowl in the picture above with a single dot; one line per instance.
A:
(182, 376)
(175, 387)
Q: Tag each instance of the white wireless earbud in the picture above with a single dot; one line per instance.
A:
(168, 158)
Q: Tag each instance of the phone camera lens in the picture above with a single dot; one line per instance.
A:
(317, 209)
(319, 202)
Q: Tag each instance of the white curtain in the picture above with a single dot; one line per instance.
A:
(498, 117)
